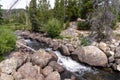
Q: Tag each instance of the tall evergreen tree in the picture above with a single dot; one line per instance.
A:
(33, 16)
(59, 10)
(86, 8)
(43, 13)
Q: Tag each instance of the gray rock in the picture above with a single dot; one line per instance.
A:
(54, 56)
(64, 50)
(41, 58)
(111, 59)
(118, 67)
(70, 32)
(92, 56)
(9, 66)
(25, 34)
(56, 66)
(109, 53)
(47, 70)
(53, 76)
(6, 77)
(103, 46)
(117, 61)
(117, 52)
(27, 69)
(54, 45)
(70, 48)
(114, 66)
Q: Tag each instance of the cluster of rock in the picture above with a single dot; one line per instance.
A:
(96, 54)
(41, 65)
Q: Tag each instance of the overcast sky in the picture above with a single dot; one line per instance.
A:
(21, 3)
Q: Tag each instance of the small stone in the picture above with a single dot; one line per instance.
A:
(118, 67)
(111, 59)
(56, 66)
(53, 76)
(70, 48)
(47, 70)
(103, 46)
(41, 58)
(114, 66)
(64, 50)
(117, 61)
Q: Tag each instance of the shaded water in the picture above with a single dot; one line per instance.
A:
(81, 71)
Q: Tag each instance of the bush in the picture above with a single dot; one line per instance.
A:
(83, 25)
(53, 28)
(67, 24)
(84, 42)
(7, 40)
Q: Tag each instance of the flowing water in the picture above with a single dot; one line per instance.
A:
(82, 71)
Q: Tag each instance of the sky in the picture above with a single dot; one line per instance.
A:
(21, 3)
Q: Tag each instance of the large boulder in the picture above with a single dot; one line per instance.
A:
(41, 58)
(53, 76)
(92, 56)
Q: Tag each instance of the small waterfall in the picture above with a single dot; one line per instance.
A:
(70, 64)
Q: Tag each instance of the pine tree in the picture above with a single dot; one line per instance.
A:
(59, 11)
(73, 9)
(43, 13)
(33, 16)
(86, 8)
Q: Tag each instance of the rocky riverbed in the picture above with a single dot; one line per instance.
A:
(38, 64)
(95, 54)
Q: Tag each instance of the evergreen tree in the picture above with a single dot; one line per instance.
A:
(59, 10)
(73, 9)
(43, 13)
(33, 16)
(86, 8)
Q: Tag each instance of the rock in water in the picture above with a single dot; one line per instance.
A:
(41, 58)
(92, 56)
(64, 50)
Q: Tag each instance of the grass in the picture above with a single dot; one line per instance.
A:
(15, 26)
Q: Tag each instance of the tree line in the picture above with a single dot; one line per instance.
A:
(100, 15)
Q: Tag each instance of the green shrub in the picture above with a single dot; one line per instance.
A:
(67, 24)
(53, 28)
(83, 25)
(84, 42)
(1, 58)
(7, 40)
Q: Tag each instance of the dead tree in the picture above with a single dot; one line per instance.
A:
(105, 13)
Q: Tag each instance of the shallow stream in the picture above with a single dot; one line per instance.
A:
(81, 71)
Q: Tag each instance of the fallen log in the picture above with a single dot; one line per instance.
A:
(26, 46)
